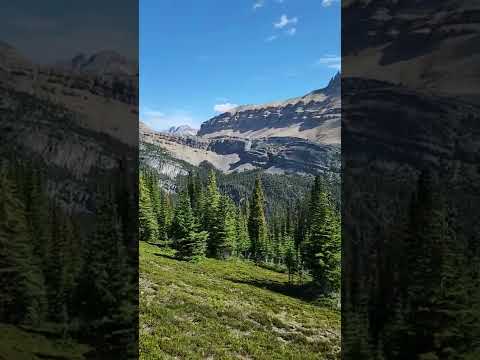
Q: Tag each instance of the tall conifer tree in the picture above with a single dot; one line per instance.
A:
(257, 224)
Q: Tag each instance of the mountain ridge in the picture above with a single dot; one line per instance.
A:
(303, 139)
(314, 116)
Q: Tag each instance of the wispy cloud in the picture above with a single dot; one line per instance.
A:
(327, 3)
(271, 38)
(291, 31)
(284, 21)
(160, 120)
(221, 108)
(258, 4)
(153, 113)
(330, 61)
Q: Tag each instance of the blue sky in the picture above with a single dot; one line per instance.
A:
(198, 58)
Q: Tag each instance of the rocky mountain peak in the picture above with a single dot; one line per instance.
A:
(182, 130)
(106, 62)
(314, 117)
(334, 86)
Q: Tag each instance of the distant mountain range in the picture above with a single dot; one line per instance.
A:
(183, 130)
(84, 123)
(101, 63)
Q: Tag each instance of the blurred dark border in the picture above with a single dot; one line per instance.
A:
(411, 193)
(69, 180)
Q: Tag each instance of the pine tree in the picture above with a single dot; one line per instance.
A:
(226, 235)
(58, 277)
(290, 258)
(188, 241)
(211, 214)
(105, 278)
(243, 240)
(22, 298)
(321, 249)
(257, 224)
(326, 248)
(148, 226)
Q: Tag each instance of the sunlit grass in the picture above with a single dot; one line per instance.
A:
(227, 310)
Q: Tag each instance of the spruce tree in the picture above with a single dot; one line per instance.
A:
(257, 224)
(211, 214)
(22, 299)
(148, 226)
(188, 241)
(226, 232)
(243, 240)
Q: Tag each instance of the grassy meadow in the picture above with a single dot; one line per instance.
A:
(227, 310)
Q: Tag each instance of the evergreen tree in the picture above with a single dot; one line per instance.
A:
(226, 235)
(326, 248)
(148, 226)
(321, 248)
(290, 258)
(22, 298)
(188, 241)
(243, 240)
(211, 214)
(257, 224)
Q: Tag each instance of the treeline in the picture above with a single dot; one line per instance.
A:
(280, 190)
(425, 293)
(58, 274)
(201, 221)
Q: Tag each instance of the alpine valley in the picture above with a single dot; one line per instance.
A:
(295, 138)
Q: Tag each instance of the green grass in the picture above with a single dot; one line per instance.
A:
(227, 310)
(25, 344)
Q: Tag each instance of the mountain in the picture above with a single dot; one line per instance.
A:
(314, 117)
(102, 63)
(182, 130)
(295, 136)
(415, 43)
(67, 123)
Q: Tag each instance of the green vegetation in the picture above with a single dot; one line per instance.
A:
(216, 309)
(426, 300)
(54, 271)
(228, 279)
(305, 239)
(24, 344)
(281, 190)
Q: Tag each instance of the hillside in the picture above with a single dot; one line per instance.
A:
(28, 344)
(294, 136)
(66, 141)
(314, 117)
(227, 310)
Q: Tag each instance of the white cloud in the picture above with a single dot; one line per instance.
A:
(291, 31)
(221, 108)
(271, 38)
(284, 21)
(160, 120)
(150, 113)
(327, 3)
(259, 4)
(330, 61)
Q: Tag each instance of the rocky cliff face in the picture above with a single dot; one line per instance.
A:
(68, 124)
(314, 117)
(300, 135)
